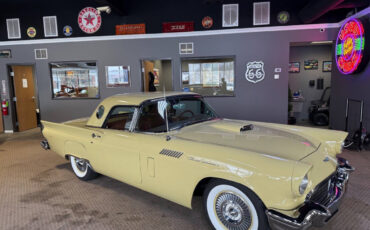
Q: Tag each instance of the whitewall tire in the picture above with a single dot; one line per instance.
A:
(82, 168)
(232, 206)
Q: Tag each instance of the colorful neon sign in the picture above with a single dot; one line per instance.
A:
(350, 46)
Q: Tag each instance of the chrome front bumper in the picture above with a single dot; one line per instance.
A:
(316, 212)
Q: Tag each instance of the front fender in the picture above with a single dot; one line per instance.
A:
(270, 179)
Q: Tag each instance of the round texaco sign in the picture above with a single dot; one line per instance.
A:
(89, 20)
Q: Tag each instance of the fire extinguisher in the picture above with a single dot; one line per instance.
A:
(5, 107)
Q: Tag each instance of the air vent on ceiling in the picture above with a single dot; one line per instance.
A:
(261, 13)
(230, 15)
(171, 153)
(186, 48)
(41, 54)
(50, 26)
(13, 28)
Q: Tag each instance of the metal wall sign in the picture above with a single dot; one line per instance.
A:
(255, 72)
(283, 17)
(207, 22)
(31, 32)
(89, 20)
(67, 30)
(130, 29)
(177, 27)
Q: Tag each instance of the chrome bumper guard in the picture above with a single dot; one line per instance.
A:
(313, 213)
(45, 144)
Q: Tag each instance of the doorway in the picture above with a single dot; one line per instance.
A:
(310, 66)
(156, 75)
(24, 99)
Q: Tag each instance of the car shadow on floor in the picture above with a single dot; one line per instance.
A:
(139, 196)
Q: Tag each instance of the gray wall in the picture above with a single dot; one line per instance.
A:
(355, 86)
(300, 81)
(264, 101)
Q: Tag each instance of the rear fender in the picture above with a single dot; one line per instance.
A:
(75, 149)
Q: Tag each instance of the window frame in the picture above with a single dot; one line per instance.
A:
(133, 121)
(73, 98)
(205, 58)
(56, 26)
(19, 28)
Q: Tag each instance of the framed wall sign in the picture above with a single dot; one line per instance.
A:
(294, 67)
(311, 64)
(130, 29)
(117, 76)
(326, 66)
(168, 27)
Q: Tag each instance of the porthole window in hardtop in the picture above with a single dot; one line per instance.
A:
(208, 76)
(74, 80)
(100, 112)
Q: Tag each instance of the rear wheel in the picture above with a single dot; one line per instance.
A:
(232, 206)
(82, 169)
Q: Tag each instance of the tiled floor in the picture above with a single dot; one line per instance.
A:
(38, 190)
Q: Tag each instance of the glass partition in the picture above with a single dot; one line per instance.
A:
(74, 80)
(208, 76)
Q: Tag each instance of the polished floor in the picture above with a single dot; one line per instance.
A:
(38, 190)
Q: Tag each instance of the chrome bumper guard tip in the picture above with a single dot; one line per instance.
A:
(45, 144)
(313, 213)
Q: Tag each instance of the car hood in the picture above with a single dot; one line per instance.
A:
(282, 143)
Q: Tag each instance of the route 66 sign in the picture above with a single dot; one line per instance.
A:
(255, 72)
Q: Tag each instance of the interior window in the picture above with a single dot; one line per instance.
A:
(120, 118)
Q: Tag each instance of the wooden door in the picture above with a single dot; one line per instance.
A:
(148, 67)
(25, 94)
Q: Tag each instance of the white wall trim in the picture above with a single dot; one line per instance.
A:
(172, 35)
(8, 131)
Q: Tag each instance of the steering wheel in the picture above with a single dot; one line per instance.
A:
(186, 111)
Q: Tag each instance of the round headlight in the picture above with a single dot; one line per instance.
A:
(303, 185)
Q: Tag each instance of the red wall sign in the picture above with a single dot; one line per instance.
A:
(350, 46)
(207, 22)
(177, 27)
(89, 20)
(130, 29)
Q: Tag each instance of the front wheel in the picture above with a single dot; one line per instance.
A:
(232, 206)
(82, 169)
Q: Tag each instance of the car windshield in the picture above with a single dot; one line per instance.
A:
(180, 111)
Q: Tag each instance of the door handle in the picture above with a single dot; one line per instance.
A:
(95, 135)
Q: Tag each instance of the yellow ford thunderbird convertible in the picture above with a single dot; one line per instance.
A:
(251, 175)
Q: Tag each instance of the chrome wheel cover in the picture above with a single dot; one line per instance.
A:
(232, 211)
(81, 164)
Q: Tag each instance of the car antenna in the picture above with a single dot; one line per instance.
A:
(164, 95)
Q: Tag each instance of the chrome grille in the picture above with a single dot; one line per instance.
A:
(324, 192)
(171, 153)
